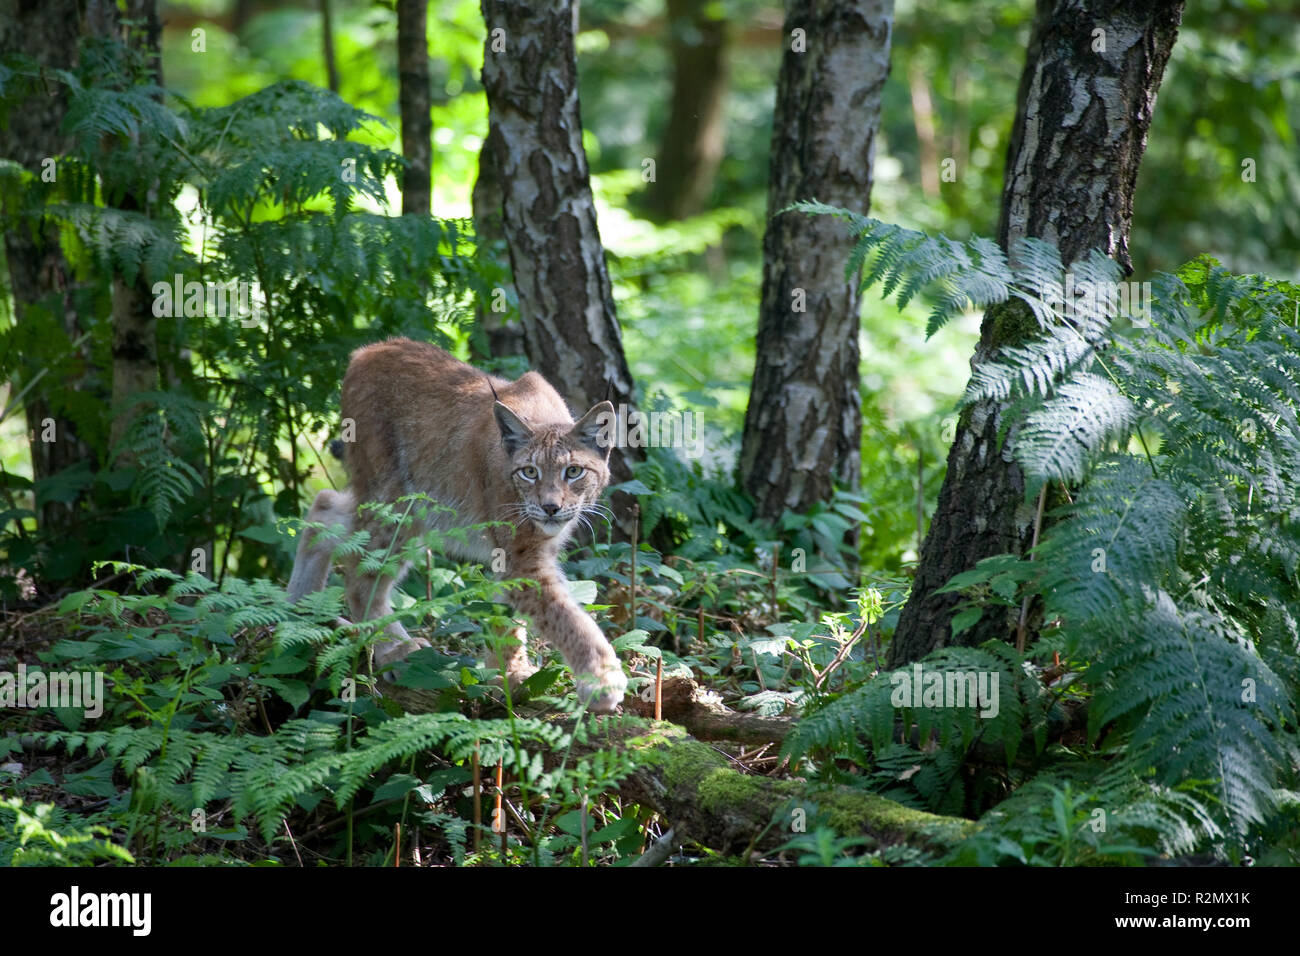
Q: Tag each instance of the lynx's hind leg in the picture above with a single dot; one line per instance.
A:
(370, 596)
(311, 567)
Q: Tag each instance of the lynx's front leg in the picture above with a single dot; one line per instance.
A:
(559, 619)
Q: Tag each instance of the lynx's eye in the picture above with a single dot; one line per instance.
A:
(528, 473)
(574, 472)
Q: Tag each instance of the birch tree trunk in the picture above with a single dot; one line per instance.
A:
(571, 331)
(501, 338)
(803, 426)
(327, 45)
(1086, 98)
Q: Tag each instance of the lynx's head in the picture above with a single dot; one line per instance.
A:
(557, 471)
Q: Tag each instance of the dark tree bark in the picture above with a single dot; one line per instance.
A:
(415, 104)
(327, 43)
(240, 15)
(1080, 131)
(571, 332)
(149, 37)
(803, 425)
(692, 143)
(135, 327)
(40, 278)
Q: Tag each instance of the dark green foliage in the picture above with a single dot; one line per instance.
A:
(233, 702)
(1168, 573)
(1050, 822)
(279, 182)
(164, 429)
(919, 743)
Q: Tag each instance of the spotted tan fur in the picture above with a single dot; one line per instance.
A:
(424, 422)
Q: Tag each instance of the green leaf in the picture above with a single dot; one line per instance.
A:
(631, 641)
(633, 487)
(964, 620)
(615, 831)
(584, 592)
(397, 785)
(75, 601)
(295, 692)
(268, 533)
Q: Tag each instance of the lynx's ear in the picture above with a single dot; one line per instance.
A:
(514, 433)
(598, 428)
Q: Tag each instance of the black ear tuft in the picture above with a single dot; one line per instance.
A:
(514, 433)
(598, 429)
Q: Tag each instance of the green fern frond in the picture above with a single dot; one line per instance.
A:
(1058, 439)
(1172, 573)
(1210, 707)
(127, 243)
(164, 477)
(888, 706)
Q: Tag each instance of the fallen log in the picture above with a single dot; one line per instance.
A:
(696, 789)
(707, 801)
(705, 717)
(701, 711)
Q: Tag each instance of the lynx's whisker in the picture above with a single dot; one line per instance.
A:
(604, 514)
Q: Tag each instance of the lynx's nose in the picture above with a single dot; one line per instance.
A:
(550, 509)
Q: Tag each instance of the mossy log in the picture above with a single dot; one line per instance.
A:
(701, 711)
(697, 789)
(707, 801)
(690, 705)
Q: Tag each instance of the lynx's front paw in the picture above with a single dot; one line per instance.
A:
(603, 694)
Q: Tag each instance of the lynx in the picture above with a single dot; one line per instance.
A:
(490, 451)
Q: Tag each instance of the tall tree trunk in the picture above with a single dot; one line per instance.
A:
(417, 124)
(1086, 97)
(327, 43)
(40, 278)
(135, 327)
(923, 119)
(571, 332)
(803, 426)
(692, 142)
(499, 337)
(243, 12)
